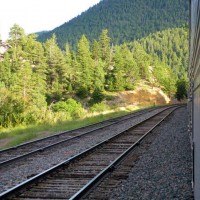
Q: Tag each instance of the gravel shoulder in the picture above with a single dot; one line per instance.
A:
(164, 171)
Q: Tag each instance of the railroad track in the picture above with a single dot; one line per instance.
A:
(8, 156)
(75, 176)
(25, 167)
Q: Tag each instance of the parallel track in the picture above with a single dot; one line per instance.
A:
(70, 179)
(25, 150)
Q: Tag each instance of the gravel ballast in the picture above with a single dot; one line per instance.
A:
(21, 171)
(164, 171)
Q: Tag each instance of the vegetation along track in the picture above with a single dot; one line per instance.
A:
(71, 178)
(27, 149)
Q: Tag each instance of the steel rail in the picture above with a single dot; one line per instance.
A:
(137, 113)
(69, 131)
(84, 190)
(67, 140)
(68, 161)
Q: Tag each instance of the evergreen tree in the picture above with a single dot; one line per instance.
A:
(126, 20)
(86, 64)
(28, 70)
(56, 71)
(36, 58)
(97, 96)
(71, 67)
(107, 57)
(17, 40)
(33, 75)
(104, 43)
(164, 77)
(142, 59)
(171, 47)
(6, 71)
(11, 108)
(182, 88)
(99, 74)
(131, 69)
(118, 71)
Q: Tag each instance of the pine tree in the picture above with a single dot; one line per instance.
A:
(99, 74)
(5, 71)
(104, 43)
(70, 69)
(17, 40)
(182, 89)
(27, 68)
(107, 56)
(86, 64)
(56, 71)
(35, 55)
(142, 59)
(118, 71)
(131, 69)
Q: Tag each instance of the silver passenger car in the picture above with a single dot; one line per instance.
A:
(194, 92)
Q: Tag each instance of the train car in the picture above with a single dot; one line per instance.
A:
(194, 92)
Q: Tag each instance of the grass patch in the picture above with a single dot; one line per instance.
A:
(21, 134)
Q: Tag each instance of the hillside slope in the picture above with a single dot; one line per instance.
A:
(171, 47)
(126, 20)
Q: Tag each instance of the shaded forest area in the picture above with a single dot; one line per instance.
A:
(41, 83)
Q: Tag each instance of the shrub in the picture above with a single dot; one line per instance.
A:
(97, 96)
(71, 107)
(33, 115)
(59, 106)
(99, 107)
(54, 117)
(11, 109)
(82, 92)
(75, 108)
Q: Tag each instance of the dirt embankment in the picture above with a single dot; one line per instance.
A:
(142, 96)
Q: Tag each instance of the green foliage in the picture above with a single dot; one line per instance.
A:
(21, 134)
(171, 47)
(5, 71)
(60, 106)
(33, 76)
(33, 115)
(104, 43)
(70, 106)
(182, 88)
(99, 107)
(85, 64)
(126, 70)
(11, 108)
(57, 71)
(165, 77)
(126, 20)
(82, 92)
(97, 96)
(142, 59)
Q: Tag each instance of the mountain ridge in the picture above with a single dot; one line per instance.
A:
(126, 20)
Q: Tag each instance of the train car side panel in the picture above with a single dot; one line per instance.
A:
(194, 95)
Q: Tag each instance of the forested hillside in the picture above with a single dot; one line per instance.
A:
(42, 83)
(126, 20)
(171, 47)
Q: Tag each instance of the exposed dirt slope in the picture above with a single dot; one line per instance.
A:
(144, 95)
